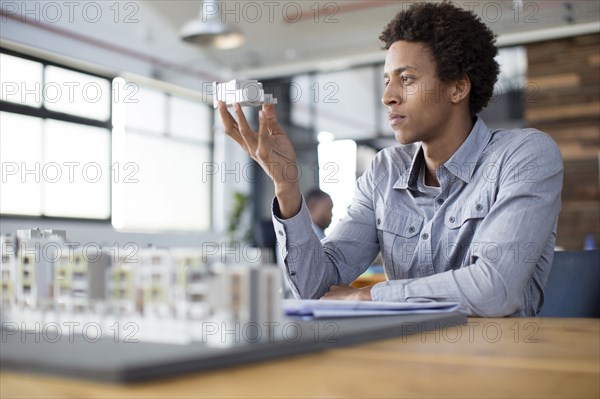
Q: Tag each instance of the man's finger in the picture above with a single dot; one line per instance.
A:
(271, 118)
(231, 127)
(242, 122)
(263, 130)
(228, 122)
(246, 134)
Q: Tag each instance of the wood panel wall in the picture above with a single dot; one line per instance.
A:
(563, 99)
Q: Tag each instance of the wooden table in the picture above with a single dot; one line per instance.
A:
(367, 280)
(527, 358)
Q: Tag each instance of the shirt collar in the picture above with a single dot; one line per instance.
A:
(461, 164)
(410, 177)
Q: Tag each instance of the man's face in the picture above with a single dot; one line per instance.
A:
(417, 101)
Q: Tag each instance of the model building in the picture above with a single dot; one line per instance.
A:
(244, 92)
(166, 293)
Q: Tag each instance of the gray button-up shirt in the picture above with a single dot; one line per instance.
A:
(488, 243)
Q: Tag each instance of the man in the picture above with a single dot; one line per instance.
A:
(320, 207)
(459, 212)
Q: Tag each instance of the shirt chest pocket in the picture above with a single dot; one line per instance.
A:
(461, 222)
(467, 213)
(398, 233)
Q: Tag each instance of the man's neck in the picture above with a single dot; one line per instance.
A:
(440, 150)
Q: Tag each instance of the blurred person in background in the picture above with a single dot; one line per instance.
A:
(320, 207)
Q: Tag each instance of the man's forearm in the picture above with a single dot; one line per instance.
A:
(289, 199)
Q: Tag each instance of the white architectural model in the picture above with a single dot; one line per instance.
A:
(169, 294)
(80, 279)
(37, 252)
(245, 92)
(193, 281)
(8, 271)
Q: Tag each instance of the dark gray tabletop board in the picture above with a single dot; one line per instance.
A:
(106, 360)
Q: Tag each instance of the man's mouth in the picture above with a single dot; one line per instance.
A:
(395, 119)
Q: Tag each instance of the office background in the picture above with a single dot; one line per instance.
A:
(108, 129)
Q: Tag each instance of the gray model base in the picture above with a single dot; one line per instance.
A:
(106, 360)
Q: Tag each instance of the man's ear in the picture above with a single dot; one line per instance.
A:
(459, 89)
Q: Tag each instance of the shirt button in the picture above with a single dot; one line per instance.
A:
(378, 221)
(411, 229)
(451, 219)
(280, 232)
(425, 236)
(440, 201)
(479, 207)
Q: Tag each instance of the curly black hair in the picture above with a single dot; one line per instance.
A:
(459, 42)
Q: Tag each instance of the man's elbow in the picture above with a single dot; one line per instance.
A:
(309, 290)
(496, 304)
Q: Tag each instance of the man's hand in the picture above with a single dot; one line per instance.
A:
(273, 151)
(347, 293)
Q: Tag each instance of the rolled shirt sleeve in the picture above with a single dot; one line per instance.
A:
(312, 266)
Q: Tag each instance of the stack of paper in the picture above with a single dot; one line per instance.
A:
(322, 308)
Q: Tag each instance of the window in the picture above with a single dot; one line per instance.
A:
(143, 109)
(21, 80)
(190, 120)
(161, 145)
(76, 183)
(20, 151)
(346, 104)
(337, 171)
(76, 93)
(55, 140)
(75, 144)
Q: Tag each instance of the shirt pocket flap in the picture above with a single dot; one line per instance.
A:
(457, 215)
(398, 222)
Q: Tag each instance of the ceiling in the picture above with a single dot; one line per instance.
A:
(284, 37)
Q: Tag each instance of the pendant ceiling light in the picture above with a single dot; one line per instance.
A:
(209, 31)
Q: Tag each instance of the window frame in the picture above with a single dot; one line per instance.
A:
(45, 114)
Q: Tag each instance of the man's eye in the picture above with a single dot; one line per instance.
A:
(386, 83)
(406, 79)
